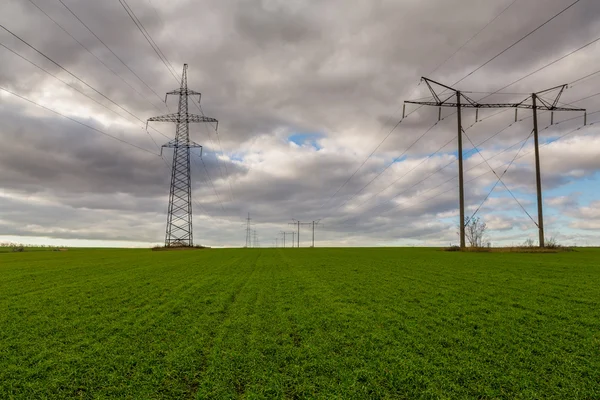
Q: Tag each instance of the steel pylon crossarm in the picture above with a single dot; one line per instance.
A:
(182, 119)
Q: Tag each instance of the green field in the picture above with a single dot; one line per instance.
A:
(299, 323)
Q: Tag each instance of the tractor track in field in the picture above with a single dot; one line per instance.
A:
(225, 313)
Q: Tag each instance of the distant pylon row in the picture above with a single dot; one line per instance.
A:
(296, 234)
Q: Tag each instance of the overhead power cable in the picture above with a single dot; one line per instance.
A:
(94, 55)
(499, 180)
(546, 66)
(392, 130)
(78, 122)
(69, 85)
(487, 172)
(427, 158)
(473, 37)
(500, 177)
(163, 58)
(70, 73)
(390, 164)
(228, 180)
(209, 178)
(584, 77)
(483, 142)
(109, 49)
(516, 43)
(477, 177)
(406, 173)
(148, 38)
(446, 166)
(366, 159)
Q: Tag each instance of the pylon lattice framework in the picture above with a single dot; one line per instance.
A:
(179, 217)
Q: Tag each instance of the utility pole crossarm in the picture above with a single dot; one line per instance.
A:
(495, 105)
(452, 101)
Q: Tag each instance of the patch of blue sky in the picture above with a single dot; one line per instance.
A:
(587, 188)
(438, 154)
(306, 138)
(236, 157)
(401, 159)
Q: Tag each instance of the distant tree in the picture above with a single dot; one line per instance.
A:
(475, 230)
(529, 243)
(552, 243)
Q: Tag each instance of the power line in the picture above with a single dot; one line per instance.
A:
(140, 26)
(584, 77)
(95, 56)
(69, 85)
(447, 165)
(473, 37)
(216, 157)
(485, 173)
(452, 189)
(500, 178)
(78, 122)
(403, 117)
(416, 166)
(406, 173)
(365, 161)
(209, 179)
(147, 36)
(431, 174)
(481, 143)
(422, 161)
(515, 43)
(389, 165)
(547, 65)
(109, 49)
(70, 73)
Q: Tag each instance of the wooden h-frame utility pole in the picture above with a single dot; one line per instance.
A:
(454, 100)
(287, 233)
(312, 223)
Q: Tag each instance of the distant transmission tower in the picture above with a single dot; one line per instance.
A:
(248, 232)
(179, 217)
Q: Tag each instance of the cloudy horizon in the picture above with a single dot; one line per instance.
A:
(304, 92)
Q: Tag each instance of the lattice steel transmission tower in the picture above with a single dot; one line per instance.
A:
(179, 217)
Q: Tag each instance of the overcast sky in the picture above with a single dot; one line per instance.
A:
(304, 91)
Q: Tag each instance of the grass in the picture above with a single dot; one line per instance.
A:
(516, 249)
(300, 323)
